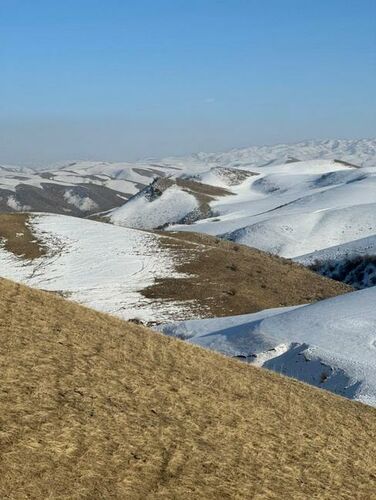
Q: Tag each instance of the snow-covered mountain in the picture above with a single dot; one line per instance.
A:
(361, 152)
(330, 344)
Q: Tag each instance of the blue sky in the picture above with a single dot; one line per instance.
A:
(119, 79)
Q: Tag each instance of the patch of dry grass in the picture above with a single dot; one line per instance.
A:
(207, 191)
(17, 236)
(95, 408)
(227, 278)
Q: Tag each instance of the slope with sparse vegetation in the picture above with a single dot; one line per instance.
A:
(228, 279)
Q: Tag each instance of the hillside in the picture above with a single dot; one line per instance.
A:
(330, 344)
(92, 407)
(297, 207)
(167, 201)
(353, 263)
(150, 276)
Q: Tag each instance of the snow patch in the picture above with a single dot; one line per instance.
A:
(171, 206)
(14, 204)
(83, 203)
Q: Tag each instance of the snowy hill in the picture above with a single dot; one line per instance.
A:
(296, 209)
(330, 344)
(353, 262)
(147, 276)
(277, 199)
(167, 201)
(96, 264)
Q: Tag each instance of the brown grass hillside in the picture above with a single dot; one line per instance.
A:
(95, 408)
(227, 278)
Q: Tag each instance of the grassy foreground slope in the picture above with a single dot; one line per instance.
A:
(92, 407)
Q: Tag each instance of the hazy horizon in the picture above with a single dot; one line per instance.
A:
(40, 164)
(119, 81)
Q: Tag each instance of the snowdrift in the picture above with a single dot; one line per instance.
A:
(330, 344)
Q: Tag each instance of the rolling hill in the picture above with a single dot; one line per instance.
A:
(77, 188)
(92, 407)
(148, 276)
(296, 208)
(167, 201)
(318, 212)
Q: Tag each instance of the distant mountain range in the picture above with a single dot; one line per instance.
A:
(83, 188)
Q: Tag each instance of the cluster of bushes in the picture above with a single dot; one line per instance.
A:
(358, 271)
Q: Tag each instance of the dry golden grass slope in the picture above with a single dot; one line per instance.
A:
(95, 408)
